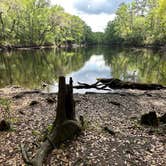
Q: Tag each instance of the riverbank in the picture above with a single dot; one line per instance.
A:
(161, 48)
(31, 112)
(34, 47)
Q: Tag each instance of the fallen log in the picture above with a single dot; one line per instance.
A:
(65, 125)
(113, 83)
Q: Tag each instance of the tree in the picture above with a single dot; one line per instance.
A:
(141, 22)
(36, 22)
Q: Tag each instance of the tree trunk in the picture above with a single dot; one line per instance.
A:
(64, 127)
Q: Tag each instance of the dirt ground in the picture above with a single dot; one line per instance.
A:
(31, 115)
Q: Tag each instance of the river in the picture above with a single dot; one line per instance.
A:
(35, 68)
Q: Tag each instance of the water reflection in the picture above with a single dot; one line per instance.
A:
(31, 68)
(94, 68)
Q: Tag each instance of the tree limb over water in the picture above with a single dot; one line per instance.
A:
(113, 83)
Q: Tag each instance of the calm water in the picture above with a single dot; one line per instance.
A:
(31, 68)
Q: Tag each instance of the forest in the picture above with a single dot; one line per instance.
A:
(142, 22)
(73, 96)
(37, 23)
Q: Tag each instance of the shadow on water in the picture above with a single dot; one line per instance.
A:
(31, 68)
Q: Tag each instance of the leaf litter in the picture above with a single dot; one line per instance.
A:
(132, 144)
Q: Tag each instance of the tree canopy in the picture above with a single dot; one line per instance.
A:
(142, 22)
(36, 22)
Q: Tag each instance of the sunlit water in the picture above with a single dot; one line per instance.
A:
(32, 69)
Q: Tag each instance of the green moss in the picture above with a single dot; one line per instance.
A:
(49, 128)
(36, 133)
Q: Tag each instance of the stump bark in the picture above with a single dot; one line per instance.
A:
(65, 125)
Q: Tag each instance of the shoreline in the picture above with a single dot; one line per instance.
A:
(37, 47)
(161, 48)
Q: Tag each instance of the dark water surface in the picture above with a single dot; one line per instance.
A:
(31, 68)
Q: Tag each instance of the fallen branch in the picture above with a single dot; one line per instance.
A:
(95, 85)
(21, 94)
(113, 83)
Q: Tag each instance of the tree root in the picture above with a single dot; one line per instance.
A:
(61, 133)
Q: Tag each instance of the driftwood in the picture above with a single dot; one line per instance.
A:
(65, 125)
(113, 83)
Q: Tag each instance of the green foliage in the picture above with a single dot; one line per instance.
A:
(138, 23)
(49, 128)
(36, 22)
(36, 133)
(30, 68)
(140, 65)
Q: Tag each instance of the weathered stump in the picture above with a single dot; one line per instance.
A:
(4, 125)
(150, 119)
(65, 125)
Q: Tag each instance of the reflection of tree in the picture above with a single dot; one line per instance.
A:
(30, 68)
(145, 65)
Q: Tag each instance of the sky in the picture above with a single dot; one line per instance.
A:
(96, 13)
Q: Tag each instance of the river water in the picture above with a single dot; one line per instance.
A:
(32, 69)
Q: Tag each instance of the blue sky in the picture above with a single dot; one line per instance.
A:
(96, 13)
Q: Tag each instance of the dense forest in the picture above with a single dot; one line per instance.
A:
(38, 23)
(142, 22)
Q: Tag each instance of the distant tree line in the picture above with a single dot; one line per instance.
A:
(37, 22)
(142, 22)
(25, 23)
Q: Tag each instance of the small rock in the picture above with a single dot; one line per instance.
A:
(4, 125)
(50, 100)
(18, 96)
(34, 102)
(109, 130)
(115, 103)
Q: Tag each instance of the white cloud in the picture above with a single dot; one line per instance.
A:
(98, 6)
(68, 5)
(96, 13)
(97, 22)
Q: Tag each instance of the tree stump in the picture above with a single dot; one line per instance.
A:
(65, 125)
(4, 125)
(150, 119)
